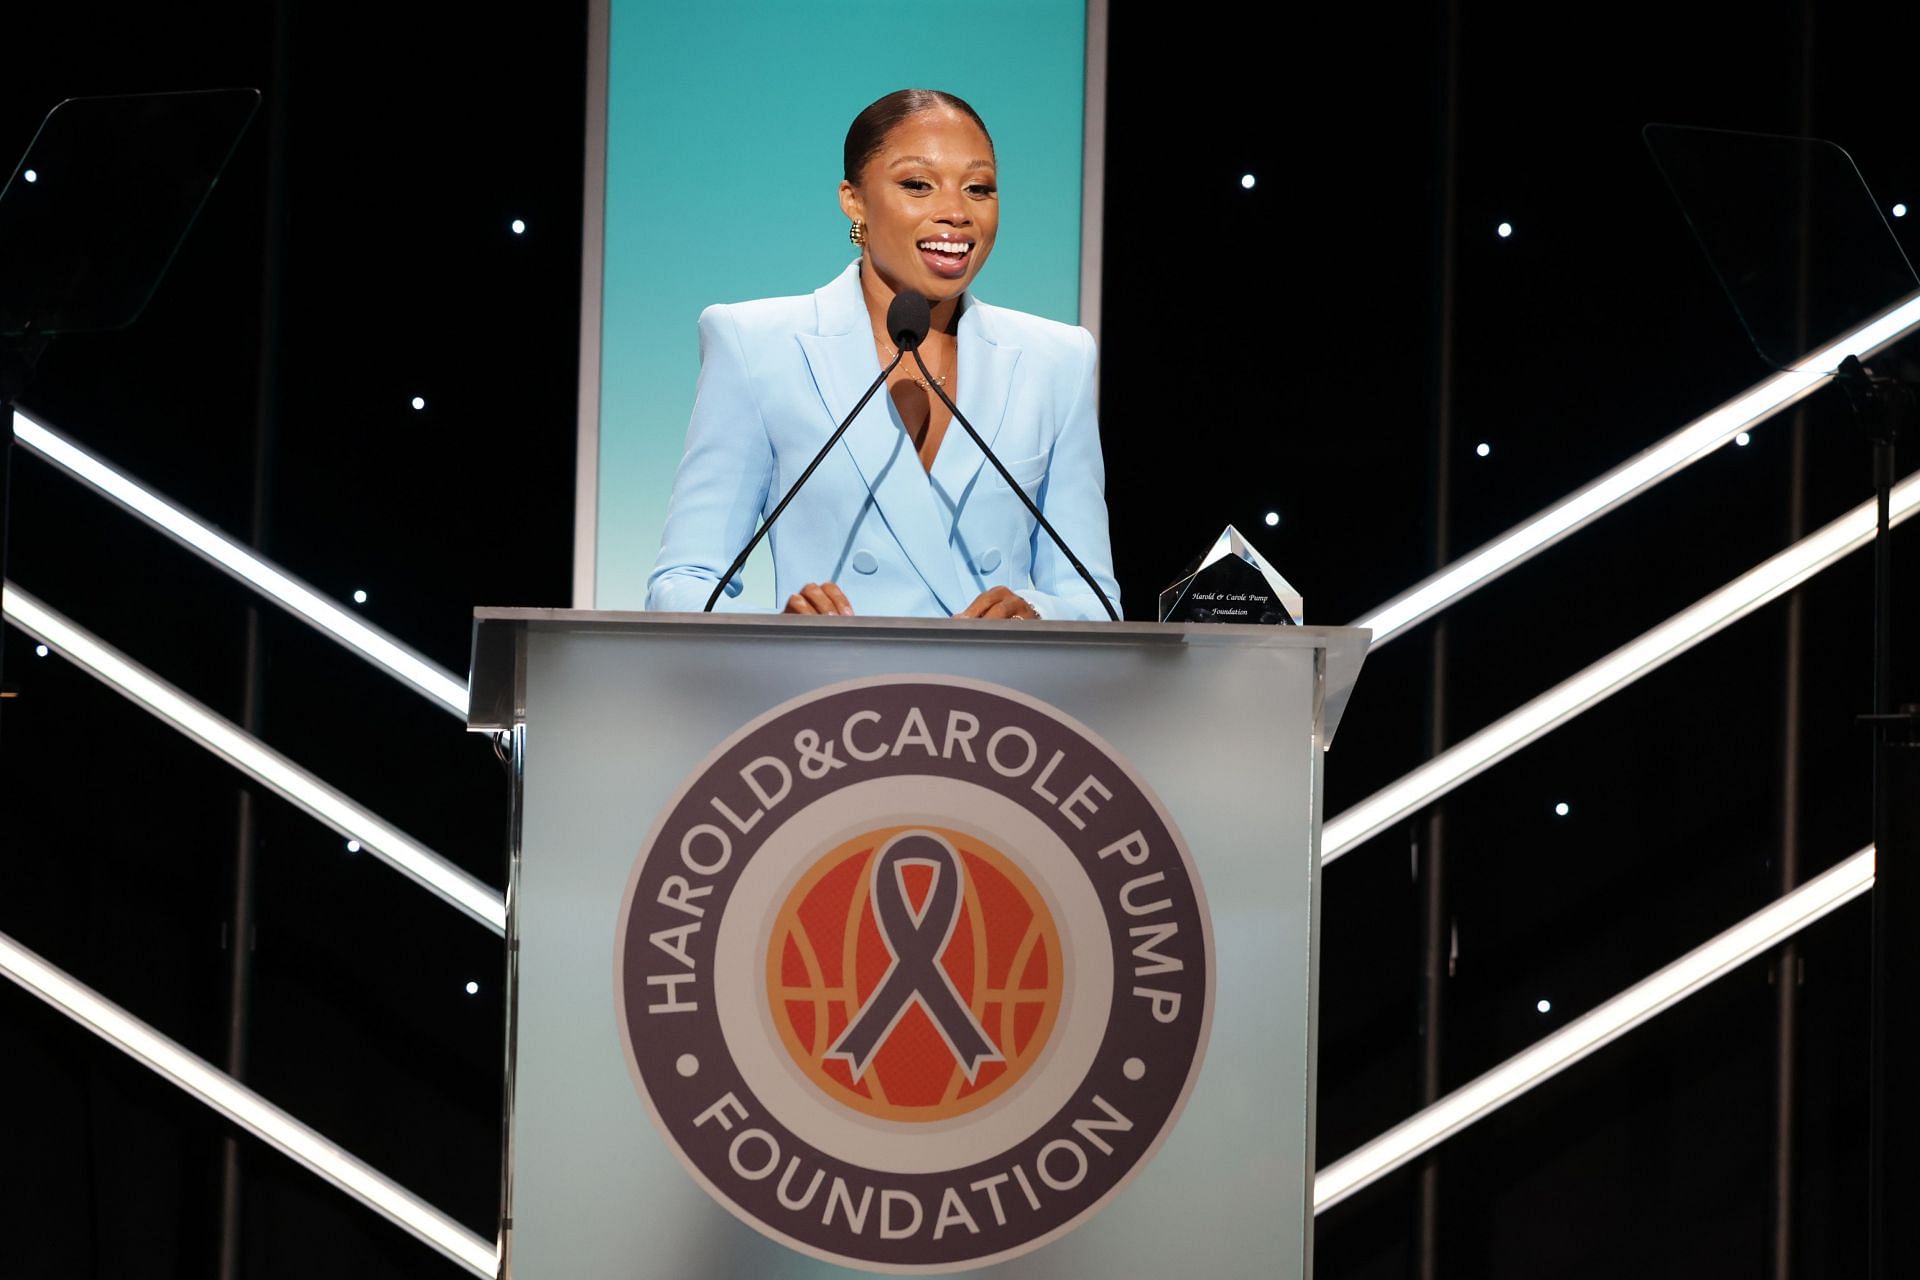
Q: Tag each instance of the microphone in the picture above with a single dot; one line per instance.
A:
(927, 375)
(908, 318)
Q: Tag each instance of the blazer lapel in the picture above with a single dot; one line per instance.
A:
(986, 380)
(844, 363)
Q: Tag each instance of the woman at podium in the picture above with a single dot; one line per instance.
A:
(904, 516)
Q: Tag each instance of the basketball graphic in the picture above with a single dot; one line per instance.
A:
(914, 974)
(830, 957)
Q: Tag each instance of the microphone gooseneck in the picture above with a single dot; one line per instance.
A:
(818, 458)
(928, 379)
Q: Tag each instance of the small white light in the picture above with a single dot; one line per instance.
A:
(39, 651)
(31, 176)
(1504, 230)
(1483, 448)
(353, 846)
(359, 597)
(1246, 184)
(1273, 518)
(1545, 1006)
(519, 227)
(1743, 439)
(1899, 210)
(473, 988)
(419, 402)
(1562, 809)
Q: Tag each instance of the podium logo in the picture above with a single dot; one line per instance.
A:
(914, 974)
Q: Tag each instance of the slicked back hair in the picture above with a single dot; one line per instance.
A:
(869, 130)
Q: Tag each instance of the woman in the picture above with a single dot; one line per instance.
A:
(904, 517)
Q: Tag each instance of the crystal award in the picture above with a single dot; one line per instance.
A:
(1231, 583)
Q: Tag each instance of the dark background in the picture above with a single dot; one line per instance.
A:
(358, 254)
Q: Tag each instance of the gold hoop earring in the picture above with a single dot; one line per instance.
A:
(857, 232)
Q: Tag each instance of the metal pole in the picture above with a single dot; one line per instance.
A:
(1786, 971)
(1894, 907)
(1885, 472)
(241, 930)
(1430, 879)
(1896, 976)
(1785, 974)
(239, 935)
(6, 495)
(1430, 838)
(18, 355)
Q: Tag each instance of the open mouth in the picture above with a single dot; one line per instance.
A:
(946, 257)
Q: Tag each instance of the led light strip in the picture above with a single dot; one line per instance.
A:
(247, 1109)
(255, 759)
(293, 595)
(1681, 449)
(1469, 757)
(1554, 1054)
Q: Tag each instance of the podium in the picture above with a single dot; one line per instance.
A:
(847, 945)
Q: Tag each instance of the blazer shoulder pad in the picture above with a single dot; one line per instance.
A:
(1036, 333)
(762, 318)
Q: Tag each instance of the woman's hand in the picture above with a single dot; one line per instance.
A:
(819, 597)
(998, 603)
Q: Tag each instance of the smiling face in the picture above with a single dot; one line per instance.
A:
(931, 203)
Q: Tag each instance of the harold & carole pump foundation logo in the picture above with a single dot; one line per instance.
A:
(914, 974)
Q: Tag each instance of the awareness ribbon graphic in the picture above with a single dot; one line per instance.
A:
(916, 942)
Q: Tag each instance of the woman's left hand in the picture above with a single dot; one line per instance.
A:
(998, 603)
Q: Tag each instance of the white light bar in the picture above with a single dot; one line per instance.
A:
(293, 595)
(1771, 578)
(255, 759)
(247, 1109)
(1681, 449)
(1554, 1054)
(1865, 339)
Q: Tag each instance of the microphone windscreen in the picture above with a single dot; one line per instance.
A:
(908, 319)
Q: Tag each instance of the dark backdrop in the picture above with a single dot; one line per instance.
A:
(1274, 349)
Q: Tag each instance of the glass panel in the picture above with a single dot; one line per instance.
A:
(102, 199)
(1791, 229)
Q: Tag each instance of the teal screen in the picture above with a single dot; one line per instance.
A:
(724, 129)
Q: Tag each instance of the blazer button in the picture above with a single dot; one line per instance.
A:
(864, 561)
(989, 560)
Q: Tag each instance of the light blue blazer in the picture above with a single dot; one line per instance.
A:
(778, 374)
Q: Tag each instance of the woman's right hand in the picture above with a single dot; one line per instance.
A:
(819, 597)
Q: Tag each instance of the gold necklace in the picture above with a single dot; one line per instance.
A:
(939, 380)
